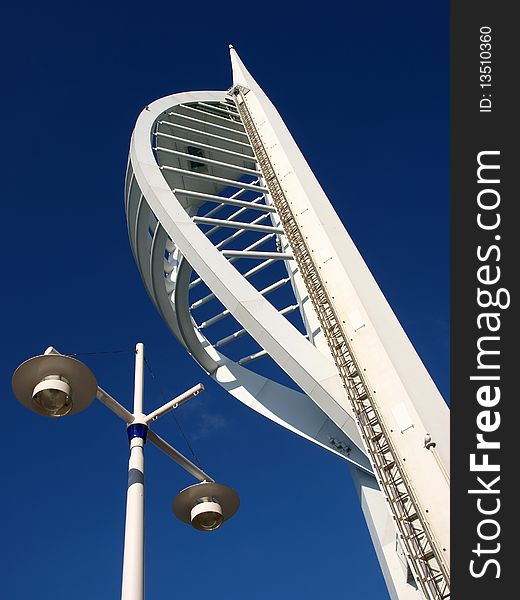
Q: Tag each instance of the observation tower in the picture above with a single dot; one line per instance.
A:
(252, 270)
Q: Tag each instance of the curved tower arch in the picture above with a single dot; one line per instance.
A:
(223, 213)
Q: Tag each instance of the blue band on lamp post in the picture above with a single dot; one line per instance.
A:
(137, 430)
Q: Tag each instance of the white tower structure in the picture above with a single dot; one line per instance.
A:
(252, 270)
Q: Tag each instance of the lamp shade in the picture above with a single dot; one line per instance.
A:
(206, 493)
(64, 376)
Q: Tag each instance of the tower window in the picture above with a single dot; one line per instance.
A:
(196, 165)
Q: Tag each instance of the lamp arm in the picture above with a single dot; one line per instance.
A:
(112, 404)
(176, 402)
(179, 458)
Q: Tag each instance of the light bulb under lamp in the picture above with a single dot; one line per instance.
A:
(53, 396)
(207, 515)
(54, 385)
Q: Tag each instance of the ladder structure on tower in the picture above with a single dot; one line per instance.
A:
(242, 253)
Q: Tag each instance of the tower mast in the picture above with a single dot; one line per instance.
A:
(374, 358)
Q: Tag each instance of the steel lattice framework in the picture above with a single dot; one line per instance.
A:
(249, 266)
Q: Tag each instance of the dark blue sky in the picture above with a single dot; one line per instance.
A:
(364, 90)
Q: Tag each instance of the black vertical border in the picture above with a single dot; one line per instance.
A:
(472, 132)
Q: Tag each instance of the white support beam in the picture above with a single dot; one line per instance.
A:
(218, 317)
(218, 208)
(202, 301)
(248, 274)
(240, 232)
(206, 112)
(258, 243)
(191, 142)
(230, 108)
(238, 225)
(231, 201)
(238, 334)
(222, 204)
(232, 216)
(260, 267)
(222, 180)
(202, 122)
(264, 292)
(205, 133)
(215, 210)
(230, 338)
(251, 357)
(209, 161)
(258, 255)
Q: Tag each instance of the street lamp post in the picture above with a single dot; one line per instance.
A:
(133, 554)
(56, 385)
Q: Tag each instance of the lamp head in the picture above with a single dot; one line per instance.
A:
(206, 505)
(54, 385)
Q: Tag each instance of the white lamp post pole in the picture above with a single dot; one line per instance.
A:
(133, 557)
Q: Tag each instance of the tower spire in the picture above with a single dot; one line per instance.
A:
(241, 75)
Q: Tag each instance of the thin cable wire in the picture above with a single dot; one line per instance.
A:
(104, 352)
(161, 391)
